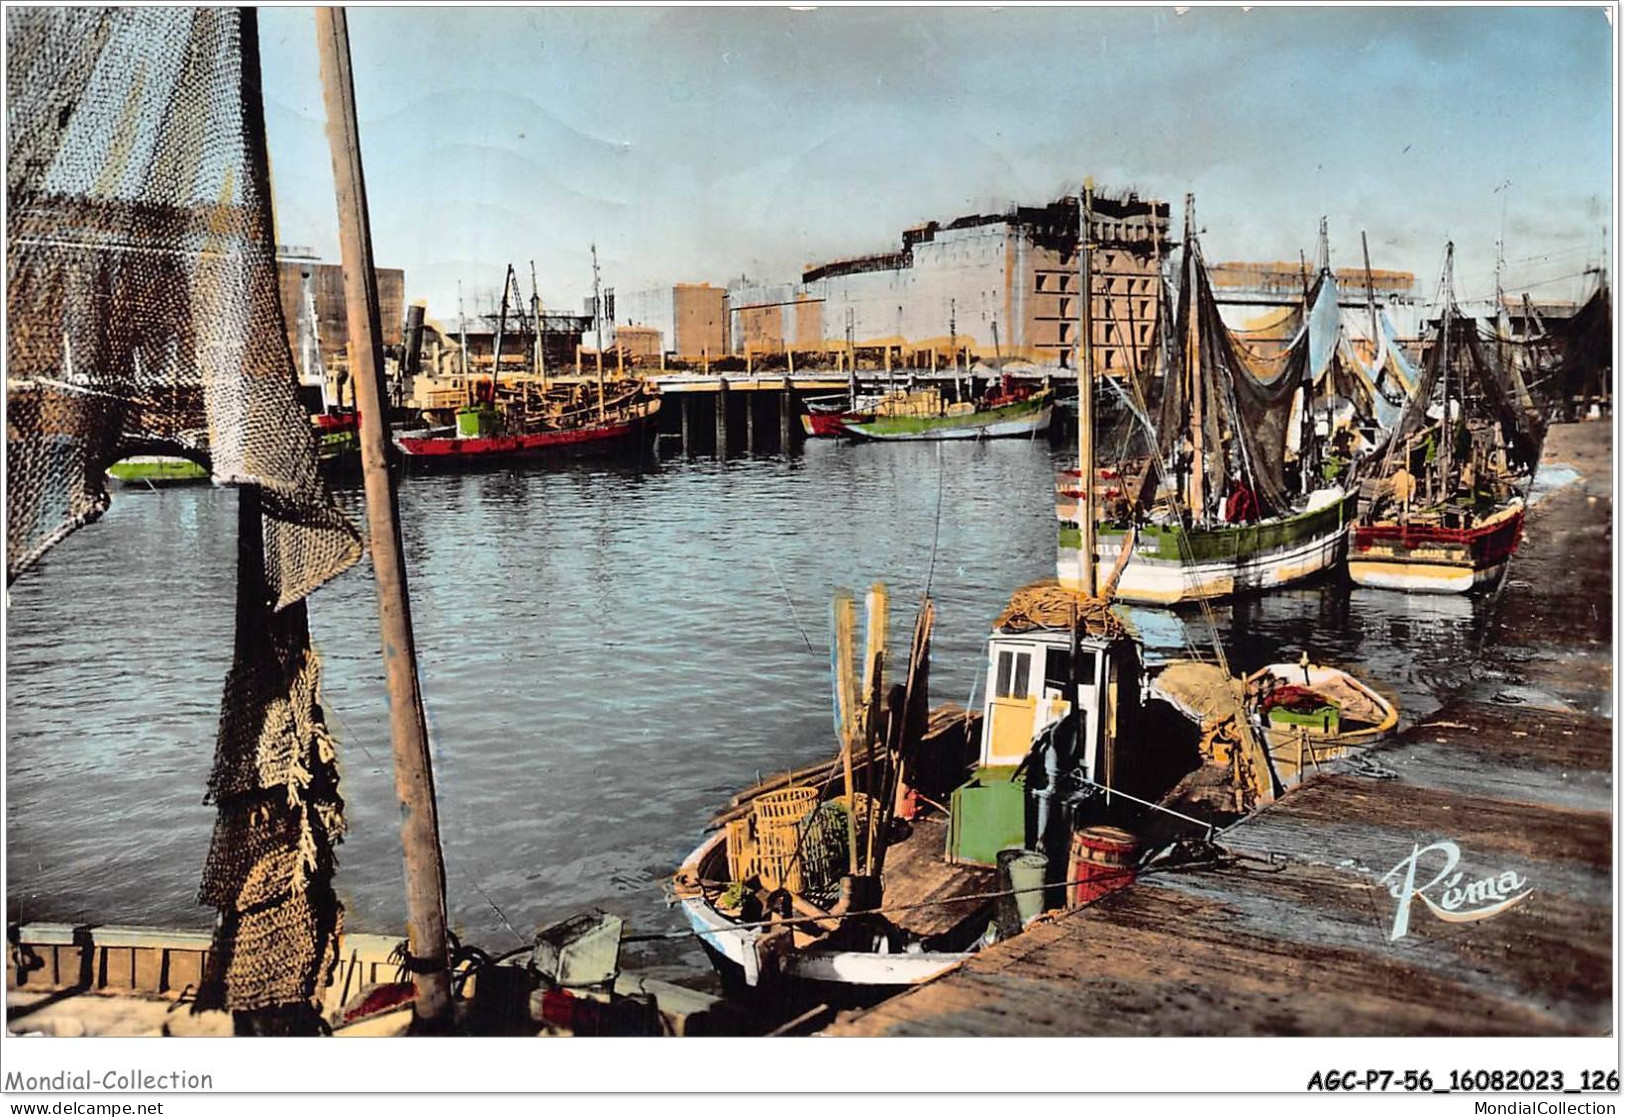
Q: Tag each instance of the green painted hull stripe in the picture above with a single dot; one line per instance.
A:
(917, 424)
(1162, 542)
(151, 471)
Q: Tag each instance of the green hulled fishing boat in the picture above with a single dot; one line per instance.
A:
(157, 471)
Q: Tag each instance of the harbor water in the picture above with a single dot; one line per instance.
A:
(608, 652)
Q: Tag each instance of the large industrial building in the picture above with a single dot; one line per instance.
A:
(691, 320)
(298, 266)
(986, 286)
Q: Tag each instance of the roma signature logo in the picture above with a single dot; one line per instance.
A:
(1453, 900)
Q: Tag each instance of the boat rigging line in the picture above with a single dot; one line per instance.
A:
(936, 527)
(791, 603)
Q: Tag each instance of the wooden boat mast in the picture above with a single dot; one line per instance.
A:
(1446, 430)
(1193, 369)
(508, 281)
(851, 364)
(538, 361)
(598, 329)
(1307, 443)
(1086, 397)
(1371, 305)
(462, 339)
(427, 956)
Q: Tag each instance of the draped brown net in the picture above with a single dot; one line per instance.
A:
(1244, 409)
(1585, 344)
(144, 318)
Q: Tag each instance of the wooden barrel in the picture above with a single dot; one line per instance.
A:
(1103, 860)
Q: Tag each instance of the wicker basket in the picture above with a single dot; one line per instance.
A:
(743, 859)
(777, 817)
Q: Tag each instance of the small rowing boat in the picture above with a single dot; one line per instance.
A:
(1311, 713)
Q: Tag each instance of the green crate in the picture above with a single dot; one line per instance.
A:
(986, 814)
(1323, 719)
(477, 422)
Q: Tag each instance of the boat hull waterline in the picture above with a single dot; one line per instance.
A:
(157, 472)
(601, 438)
(1425, 559)
(1016, 420)
(1223, 561)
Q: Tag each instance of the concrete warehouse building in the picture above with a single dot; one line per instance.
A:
(296, 266)
(690, 318)
(991, 286)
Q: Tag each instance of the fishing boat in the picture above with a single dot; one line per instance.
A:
(957, 830)
(1445, 511)
(531, 418)
(823, 415)
(1007, 410)
(494, 433)
(926, 415)
(952, 816)
(1216, 509)
(834, 875)
(157, 471)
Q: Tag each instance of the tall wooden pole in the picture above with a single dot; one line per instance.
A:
(414, 779)
(1086, 398)
(1370, 302)
(1447, 443)
(539, 360)
(1193, 370)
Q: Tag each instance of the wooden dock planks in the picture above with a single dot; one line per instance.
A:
(1295, 937)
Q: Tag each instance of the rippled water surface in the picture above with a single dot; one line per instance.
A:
(607, 654)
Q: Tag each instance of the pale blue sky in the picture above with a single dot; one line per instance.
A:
(697, 144)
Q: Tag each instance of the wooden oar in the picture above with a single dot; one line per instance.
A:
(846, 685)
(874, 657)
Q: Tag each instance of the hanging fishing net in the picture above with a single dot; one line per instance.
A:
(144, 319)
(1585, 344)
(1242, 410)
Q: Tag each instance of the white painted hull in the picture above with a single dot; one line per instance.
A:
(1423, 578)
(1433, 560)
(1018, 427)
(737, 946)
(1152, 581)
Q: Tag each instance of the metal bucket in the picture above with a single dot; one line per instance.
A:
(1021, 872)
(1103, 860)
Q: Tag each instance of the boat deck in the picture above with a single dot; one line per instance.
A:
(915, 873)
